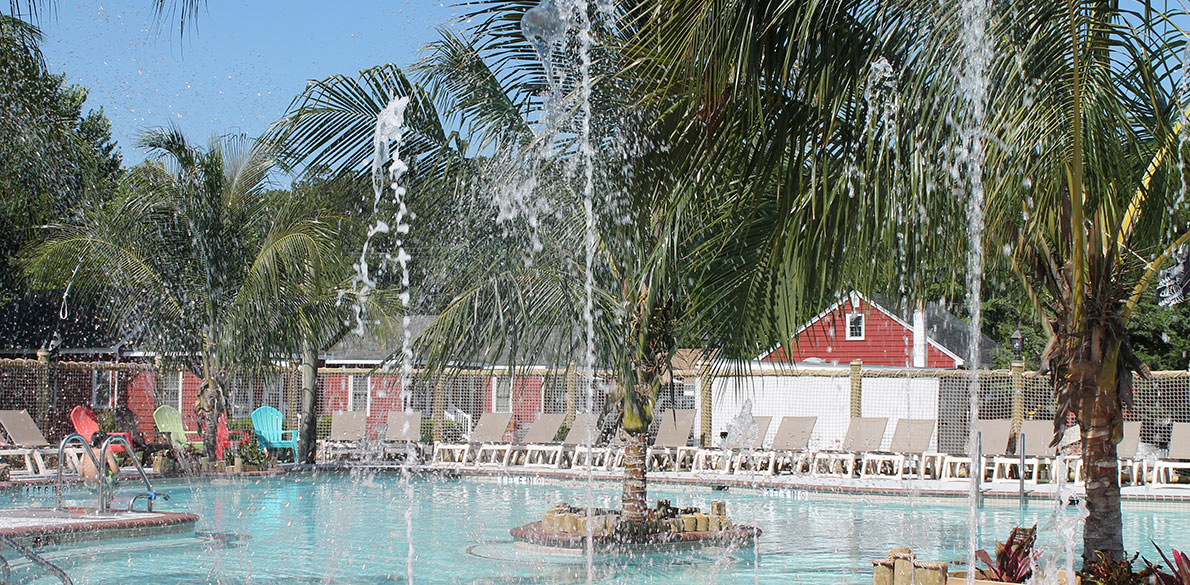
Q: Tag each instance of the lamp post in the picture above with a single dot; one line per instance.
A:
(1018, 343)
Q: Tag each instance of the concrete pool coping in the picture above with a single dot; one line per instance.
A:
(787, 485)
(42, 526)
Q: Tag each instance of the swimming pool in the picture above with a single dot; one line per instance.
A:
(350, 527)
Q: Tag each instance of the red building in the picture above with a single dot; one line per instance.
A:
(858, 327)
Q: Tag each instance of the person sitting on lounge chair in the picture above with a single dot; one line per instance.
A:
(91, 476)
(127, 422)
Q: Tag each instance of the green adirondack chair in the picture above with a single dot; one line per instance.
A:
(266, 421)
(169, 423)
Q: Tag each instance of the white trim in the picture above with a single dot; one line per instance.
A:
(863, 325)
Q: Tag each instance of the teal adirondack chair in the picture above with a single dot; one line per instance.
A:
(266, 421)
(169, 423)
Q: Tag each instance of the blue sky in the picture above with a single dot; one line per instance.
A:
(241, 67)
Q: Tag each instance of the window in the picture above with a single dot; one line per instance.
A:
(170, 389)
(359, 394)
(241, 397)
(855, 326)
(503, 402)
(101, 389)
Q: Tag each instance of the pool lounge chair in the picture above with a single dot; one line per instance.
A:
(346, 436)
(994, 441)
(864, 434)
(402, 435)
(907, 452)
(571, 452)
(1039, 454)
(169, 424)
(671, 449)
(488, 431)
(538, 441)
(266, 423)
(790, 449)
(1176, 457)
(1131, 466)
(725, 460)
(26, 441)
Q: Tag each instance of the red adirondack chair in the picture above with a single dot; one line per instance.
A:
(223, 437)
(87, 424)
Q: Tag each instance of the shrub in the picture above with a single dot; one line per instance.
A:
(251, 453)
(240, 424)
(1014, 559)
(322, 427)
(1107, 570)
(452, 432)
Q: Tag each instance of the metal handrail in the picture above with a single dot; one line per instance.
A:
(7, 569)
(103, 456)
(61, 460)
(37, 559)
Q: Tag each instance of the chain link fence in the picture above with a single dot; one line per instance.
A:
(128, 393)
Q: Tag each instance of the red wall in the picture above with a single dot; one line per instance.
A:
(886, 341)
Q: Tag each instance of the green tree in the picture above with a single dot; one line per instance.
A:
(54, 158)
(200, 261)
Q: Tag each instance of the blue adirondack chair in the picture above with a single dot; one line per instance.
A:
(266, 421)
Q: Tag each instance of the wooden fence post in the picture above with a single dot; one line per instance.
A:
(857, 388)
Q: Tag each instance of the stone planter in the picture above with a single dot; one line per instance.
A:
(960, 577)
(239, 465)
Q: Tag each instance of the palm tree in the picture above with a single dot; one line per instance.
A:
(507, 292)
(1080, 125)
(201, 261)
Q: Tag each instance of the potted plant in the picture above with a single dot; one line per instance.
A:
(250, 457)
(1013, 562)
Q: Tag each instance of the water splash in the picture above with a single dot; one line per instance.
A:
(390, 129)
(545, 26)
(973, 84)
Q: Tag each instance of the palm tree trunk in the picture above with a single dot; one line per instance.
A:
(634, 500)
(1101, 422)
(308, 423)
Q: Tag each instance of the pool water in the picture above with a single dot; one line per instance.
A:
(350, 527)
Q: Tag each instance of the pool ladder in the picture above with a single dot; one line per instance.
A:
(51, 568)
(149, 494)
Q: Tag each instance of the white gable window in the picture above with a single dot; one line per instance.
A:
(855, 326)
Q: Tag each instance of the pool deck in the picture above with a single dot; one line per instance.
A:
(790, 485)
(40, 526)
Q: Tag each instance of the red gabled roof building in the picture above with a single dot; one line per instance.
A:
(857, 327)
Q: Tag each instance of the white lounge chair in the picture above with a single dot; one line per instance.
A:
(907, 452)
(1038, 453)
(994, 435)
(561, 455)
(727, 460)
(671, 447)
(1176, 457)
(26, 441)
(863, 434)
(489, 431)
(790, 449)
(402, 434)
(536, 445)
(346, 435)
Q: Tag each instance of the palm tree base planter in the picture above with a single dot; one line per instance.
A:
(960, 577)
(565, 529)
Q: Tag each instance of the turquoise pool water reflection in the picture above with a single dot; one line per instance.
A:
(350, 527)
